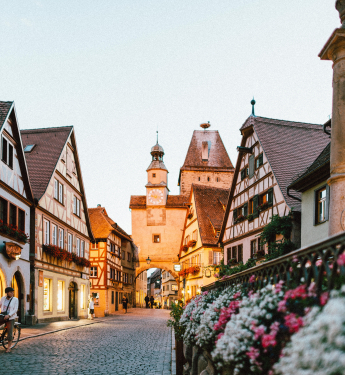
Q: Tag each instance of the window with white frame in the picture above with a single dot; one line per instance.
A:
(61, 238)
(46, 232)
(93, 271)
(76, 206)
(58, 191)
(54, 234)
(7, 152)
(78, 247)
(217, 257)
(70, 242)
(82, 252)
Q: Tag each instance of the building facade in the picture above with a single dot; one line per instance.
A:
(128, 262)
(16, 200)
(271, 153)
(169, 290)
(199, 252)
(60, 231)
(141, 289)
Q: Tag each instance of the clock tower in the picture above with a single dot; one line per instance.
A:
(157, 178)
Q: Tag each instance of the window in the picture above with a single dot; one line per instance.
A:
(21, 219)
(195, 235)
(267, 198)
(251, 166)
(253, 248)
(125, 278)
(217, 179)
(46, 294)
(54, 239)
(61, 193)
(156, 238)
(130, 279)
(234, 252)
(321, 205)
(129, 257)
(13, 214)
(208, 178)
(78, 247)
(46, 232)
(70, 242)
(167, 288)
(123, 255)
(60, 296)
(112, 297)
(82, 252)
(250, 207)
(7, 152)
(199, 178)
(240, 253)
(216, 257)
(29, 148)
(82, 297)
(76, 206)
(244, 173)
(93, 271)
(259, 161)
(217, 233)
(153, 175)
(61, 239)
(56, 189)
(3, 210)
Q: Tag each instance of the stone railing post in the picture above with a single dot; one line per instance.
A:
(335, 50)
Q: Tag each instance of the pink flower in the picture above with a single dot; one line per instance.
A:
(252, 279)
(293, 322)
(299, 292)
(279, 286)
(216, 275)
(219, 336)
(253, 353)
(324, 298)
(341, 259)
(268, 340)
(294, 259)
(312, 290)
(318, 262)
(225, 315)
(237, 295)
(258, 331)
(282, 306)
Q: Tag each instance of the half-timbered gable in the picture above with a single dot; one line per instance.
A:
(271, 153)
(62, 225)
(15, 202)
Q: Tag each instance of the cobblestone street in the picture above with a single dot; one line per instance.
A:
(138, 342)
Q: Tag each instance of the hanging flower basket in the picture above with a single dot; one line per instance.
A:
(194, 270)
(191, 243)
(14, 232)
(184, 272)
(184, 248)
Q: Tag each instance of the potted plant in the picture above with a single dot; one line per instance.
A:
(250, 217)
(239, 219)
(191, 243)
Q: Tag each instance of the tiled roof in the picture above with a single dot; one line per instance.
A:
(102, 225)
(318, 170)
(43, 159)
(210, 211)
(4, 109)
(139, 201)
(218, 157)
(156, 164)
(290, 147)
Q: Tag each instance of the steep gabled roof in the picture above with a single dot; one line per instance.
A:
(209, 211)
(8, 112)
(218, 157)
(102, 225)
(289, 146)
(42, 160)
(173, 201)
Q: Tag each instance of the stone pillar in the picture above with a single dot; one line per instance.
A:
(335, 50)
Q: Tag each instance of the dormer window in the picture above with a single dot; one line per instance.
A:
(7, 152)
(29, 148)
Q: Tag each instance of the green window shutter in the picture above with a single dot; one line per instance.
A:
(270, 196)
(245, 209)
(261, 159)
(251, 165)
(255, 206)
(235, 214)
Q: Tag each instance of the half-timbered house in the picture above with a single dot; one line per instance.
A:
(109, 279)
(60, 230)
(15, 202)
(272, 152)
(199, 251)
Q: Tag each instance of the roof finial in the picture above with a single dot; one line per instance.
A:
(157, 136)
(253, 104)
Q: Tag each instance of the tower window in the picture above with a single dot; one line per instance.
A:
(199, 178)
(153, 175)
(208, 178)
(156, 238)
(217, 179)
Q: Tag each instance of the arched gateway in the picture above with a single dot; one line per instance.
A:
(158, 219)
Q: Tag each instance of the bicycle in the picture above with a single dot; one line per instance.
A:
(16, 335)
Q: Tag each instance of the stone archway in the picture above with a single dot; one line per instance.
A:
(18, 285)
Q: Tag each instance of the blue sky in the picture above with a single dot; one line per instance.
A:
(118, 70)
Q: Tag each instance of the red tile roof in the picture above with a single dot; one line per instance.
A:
(102, 225)
(139, 201)
(43, 159)
(218, 157)
(209, 211)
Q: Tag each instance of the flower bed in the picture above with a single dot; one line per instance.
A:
(62, 254)
(14, 232)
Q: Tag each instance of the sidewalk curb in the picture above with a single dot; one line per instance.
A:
(61, 329)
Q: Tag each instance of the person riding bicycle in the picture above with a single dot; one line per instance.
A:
(9, 306)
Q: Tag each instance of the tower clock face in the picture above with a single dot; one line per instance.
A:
(155, 196)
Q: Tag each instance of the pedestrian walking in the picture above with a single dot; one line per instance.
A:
(9, 308)
(92, 308)
(152, 300)
(147, 300)
(124, 303)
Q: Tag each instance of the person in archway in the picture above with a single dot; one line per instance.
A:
(124, 303)
(152, 301)
(9, 307)
(147, 300)
(92, 308)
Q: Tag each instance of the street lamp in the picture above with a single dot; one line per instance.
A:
(148, 260)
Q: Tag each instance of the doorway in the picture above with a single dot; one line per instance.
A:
(17, 285)
(117, 302)
(72, 300)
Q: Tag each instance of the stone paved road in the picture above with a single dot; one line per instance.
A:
(135, 343)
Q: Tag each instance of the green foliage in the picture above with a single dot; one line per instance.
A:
(176, 313)
(228, 270)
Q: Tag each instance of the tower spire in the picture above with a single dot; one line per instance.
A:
(253, 104)
(157, 136)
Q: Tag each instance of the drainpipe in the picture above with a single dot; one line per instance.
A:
(334, 50)
(292, 196)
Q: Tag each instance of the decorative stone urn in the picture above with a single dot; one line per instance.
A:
(340, 7)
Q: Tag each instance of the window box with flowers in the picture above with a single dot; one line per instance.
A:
(61, 254)
(184, 248)
(232, 262)
(250, 217)
(191, 243)
(194, 270)
(13, 232)
(239, 219)
(260, 254)
(263, 206)
(184, 273)
(190, 215)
